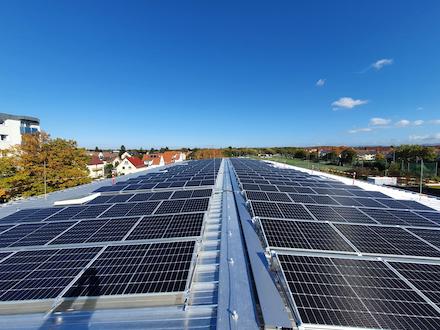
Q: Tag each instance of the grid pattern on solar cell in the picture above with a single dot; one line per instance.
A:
(433, 216)
(171, 206)
(266, 210)
(196, 205)
(143, 208)
(386, 240)
(303, 235)
(102, 230)
(137, 269)
(167, 226)
(353, 215)
(294, 211)
(430, 235)
(353, 293)
(278, 197)
(41, 274)
(325, 213)
(423, 276)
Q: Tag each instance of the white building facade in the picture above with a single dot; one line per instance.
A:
(12, 127)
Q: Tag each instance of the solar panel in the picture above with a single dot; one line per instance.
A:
(351, 214)
(433, 216)
(137, 269)
(303, 235)
(386, 240)
(325, 213)
(294, 211)
(43, 234)
(41, 274)
(196, 205)
(430, 235)
(67, 213)
(143, 208)
(171, 206)
(302, 198)
(354, 293)
(323, 200)
(278, 197)
(118, 210)
(423, 276)
(266, 210)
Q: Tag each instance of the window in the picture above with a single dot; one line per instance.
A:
(2, 122)
(3, 137)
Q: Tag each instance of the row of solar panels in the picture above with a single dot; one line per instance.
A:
(203, 173)
(355, 238)
(116, 247)
(335, 200)
(123, 209)
(362, 293)
(109, 270)
(102, 230)
(377, 276)
(345, 214)
(149, 196)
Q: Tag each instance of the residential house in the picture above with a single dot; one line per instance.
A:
(96, 167)
(12, 127)
(130, 165)
(366, 155)
(165, 158)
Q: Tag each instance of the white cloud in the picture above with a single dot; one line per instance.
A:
(425, 138)
(357, 130)
(320, 82)
(435, 122)
(348, 103)
(403, 123)
(418, 122)
(381, 63)
(379, 121)
(419, 108)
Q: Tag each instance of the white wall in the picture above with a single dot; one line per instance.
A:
(125, 167)
(96, 171)
(11, 129)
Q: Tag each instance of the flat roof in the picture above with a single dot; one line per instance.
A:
(5, 116)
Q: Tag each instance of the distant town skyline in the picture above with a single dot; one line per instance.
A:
(218, 74)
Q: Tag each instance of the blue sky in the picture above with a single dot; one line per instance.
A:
(220, 73)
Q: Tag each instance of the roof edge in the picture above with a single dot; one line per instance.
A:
(5, 116)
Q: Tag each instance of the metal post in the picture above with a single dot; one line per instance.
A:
(45, 181)
(421, 175)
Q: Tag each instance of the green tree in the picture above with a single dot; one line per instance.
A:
(121, 150)
(39, 159)
(108, 168)
(300, 153)
(347, 156)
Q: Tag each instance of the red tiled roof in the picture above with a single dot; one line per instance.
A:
(136, 162)
(170, 156)
(95, 161)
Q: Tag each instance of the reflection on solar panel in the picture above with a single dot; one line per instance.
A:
(41, 274)
(137, 269)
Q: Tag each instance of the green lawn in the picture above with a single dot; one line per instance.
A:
(307, 164)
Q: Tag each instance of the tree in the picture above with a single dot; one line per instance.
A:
(411, 153)
(97, 149)
(121, 150)
(347, 156)
(300, 153)
(108, 168)
(39, 159)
